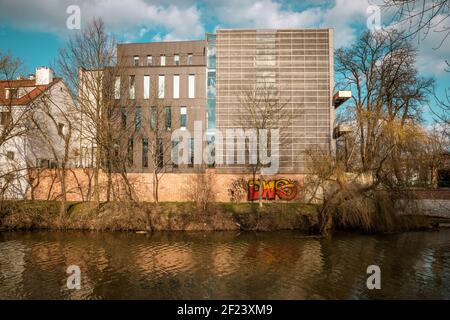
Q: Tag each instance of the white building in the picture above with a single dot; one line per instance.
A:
(33, 120)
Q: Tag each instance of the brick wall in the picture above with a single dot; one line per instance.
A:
(173, 186)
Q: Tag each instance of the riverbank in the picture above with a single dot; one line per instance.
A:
(170, 216)
(178, 216)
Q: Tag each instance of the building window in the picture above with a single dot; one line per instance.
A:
(176, 86)
(168, 117)
(161, 80)
(5, 118)
(123, 118)
(160, 153)
(10, 155)
(60, 128)
(136, 61)
(145, 152)
(175, 152)
(163, 59)
(153, 118)
(117, 88)
(191, 86)
(191, 152)
(137, 119)
(130, 152)
(189, 59)
(146, 87)
(176, 59)
(12, 93)
(149, 60)
(43, 163)
(132, 87)
(183, 118)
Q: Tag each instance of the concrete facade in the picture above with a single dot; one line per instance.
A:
(146, 59)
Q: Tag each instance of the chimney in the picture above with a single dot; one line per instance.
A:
(44, 76)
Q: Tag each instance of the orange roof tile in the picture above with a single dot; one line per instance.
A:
(27, 98)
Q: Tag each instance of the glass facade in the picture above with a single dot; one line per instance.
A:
(211, 86)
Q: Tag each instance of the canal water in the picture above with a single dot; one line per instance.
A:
(223, 265)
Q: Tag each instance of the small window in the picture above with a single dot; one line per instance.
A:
(149, 60)
(136, 61)
(10, 155)
(191, 86)
(60, 128)
(168, 117)
(5, 118)
(130, 152)
(191, 152)
(176, 59)
(176, 86)
(145, 152)
(183, 118)
(153, 118)
(43, 163)
(189, 59)
(12, 93)
(123, 118)
(161, 80)
(163, 59)
(117, 88)
(132, 88)
(175, 152)
(137, 119)
(146, 87)
(160, 153)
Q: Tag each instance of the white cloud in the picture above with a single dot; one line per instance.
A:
(131, 19)
(342, 15)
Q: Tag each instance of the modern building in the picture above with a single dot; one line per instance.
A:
(202, 80)
(168, 73)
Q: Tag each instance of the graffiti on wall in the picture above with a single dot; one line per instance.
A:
(275, 189)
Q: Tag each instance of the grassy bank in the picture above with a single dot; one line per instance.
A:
(171, 216)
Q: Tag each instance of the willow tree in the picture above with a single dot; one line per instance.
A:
(388, 95)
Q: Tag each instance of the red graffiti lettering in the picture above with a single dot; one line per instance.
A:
(281, 189)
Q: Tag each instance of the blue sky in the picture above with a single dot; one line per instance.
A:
(33, 30)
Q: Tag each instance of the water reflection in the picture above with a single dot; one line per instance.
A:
(223, 265)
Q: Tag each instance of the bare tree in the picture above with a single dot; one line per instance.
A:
(380, 70)
(420, 17)
(262, 109)
(159, 140)
(98, 84)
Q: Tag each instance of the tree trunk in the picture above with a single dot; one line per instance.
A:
(96, 176)
(327, 222)
(260, 190)
(155, 187)
(62, 174)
